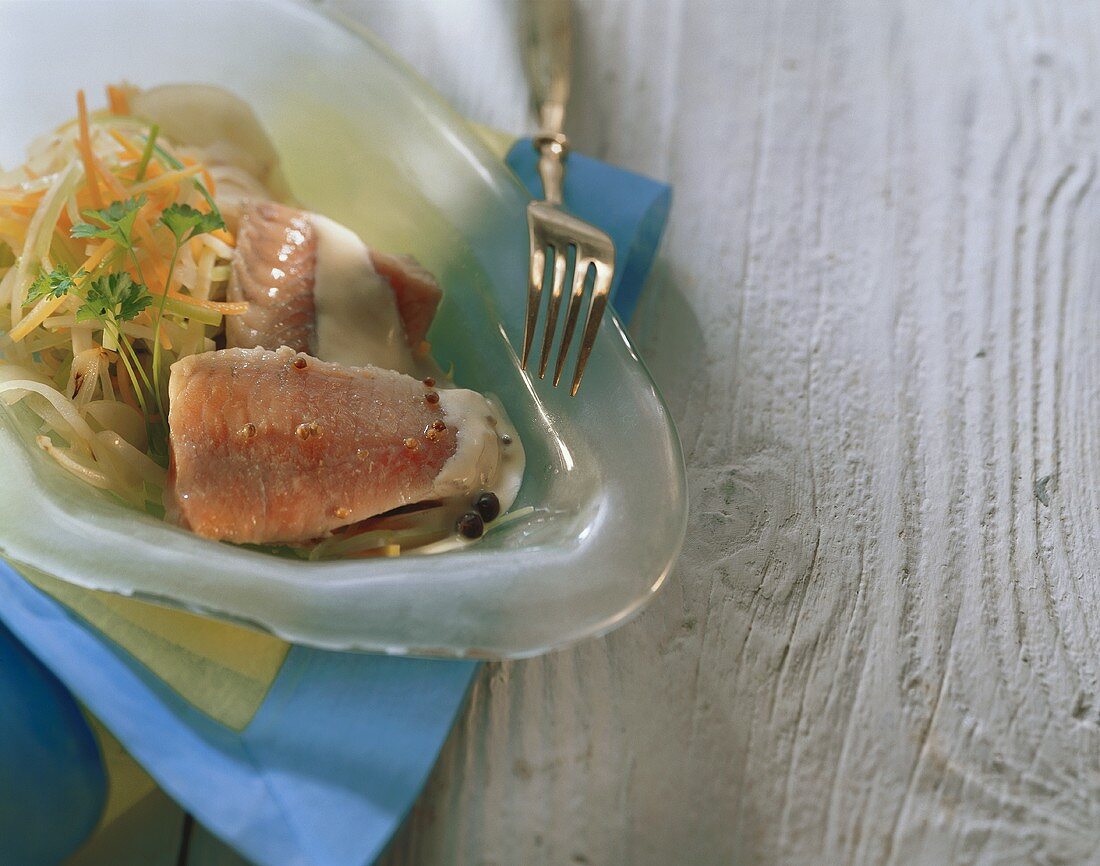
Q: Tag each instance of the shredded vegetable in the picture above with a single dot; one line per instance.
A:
(116, 266)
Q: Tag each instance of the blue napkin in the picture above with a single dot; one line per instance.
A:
(49, 763)
(338, 752)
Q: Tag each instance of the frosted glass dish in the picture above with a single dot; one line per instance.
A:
(366, 142)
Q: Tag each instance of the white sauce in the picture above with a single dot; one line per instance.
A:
(358, 324)
(481, 460)
(513, 459)
(356, 313)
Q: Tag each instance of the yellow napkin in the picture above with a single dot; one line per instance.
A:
(139, 821)
(222, 669)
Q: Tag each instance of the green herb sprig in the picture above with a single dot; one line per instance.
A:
(54, 283)
(113, 299)
(185, 223)
(109, 300)
(116, 222)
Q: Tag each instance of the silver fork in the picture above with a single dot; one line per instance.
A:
(547, 52)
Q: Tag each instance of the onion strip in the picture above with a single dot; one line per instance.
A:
(58, 400)
(39, 233)
(80, 470)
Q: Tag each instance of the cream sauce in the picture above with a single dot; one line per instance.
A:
(356, 314)
(489, 457)
(482, 459)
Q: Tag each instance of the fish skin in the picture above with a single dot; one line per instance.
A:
(415, 289)
(274, 236)
(269, 483)
(274, 269)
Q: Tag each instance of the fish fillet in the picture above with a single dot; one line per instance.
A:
(290, 265)
(415, 289)
(273, 269)
(276, 446)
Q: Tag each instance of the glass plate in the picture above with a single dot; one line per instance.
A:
(371, 145)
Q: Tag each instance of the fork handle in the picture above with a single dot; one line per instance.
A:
(548, 50)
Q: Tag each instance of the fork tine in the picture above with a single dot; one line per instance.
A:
(560, 262)
(534, 291)
(604, 272)
(580, 276)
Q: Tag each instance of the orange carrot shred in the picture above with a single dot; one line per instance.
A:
(116, 99)
(113, 184)
(227, 308)
(127, 145)
(84, 143)
(141, 224)
(98, 256)
(166, 178)
(12, 227)
(125, 390)
(17, 196)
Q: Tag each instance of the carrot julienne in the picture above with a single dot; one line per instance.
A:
(49, 304)
(85, 145)
(226, 308)
(117, 100)
(20, 199)
(128, 146)
(164, 179)
(12, 227)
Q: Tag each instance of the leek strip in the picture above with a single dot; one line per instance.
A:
(220, 247)
(119, 417)
(83, 472)
(181, 308)
(142, 466)
(58, 400)
(40, 232)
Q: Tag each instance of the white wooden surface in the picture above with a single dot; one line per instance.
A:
(877, 324)
(876, 321)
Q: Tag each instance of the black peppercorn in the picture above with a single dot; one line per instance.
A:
(488, 506)
(470, 525)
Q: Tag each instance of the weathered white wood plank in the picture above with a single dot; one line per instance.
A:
(876, 321)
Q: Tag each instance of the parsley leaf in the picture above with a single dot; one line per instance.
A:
(57, 282)
(172, 162)
(117, 222)
(185, 222)
(114, 298)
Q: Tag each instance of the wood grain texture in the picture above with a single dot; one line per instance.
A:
(875, 319)
(876, 322)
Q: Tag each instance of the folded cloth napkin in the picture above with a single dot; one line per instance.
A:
(292, 756)
(49, 765)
